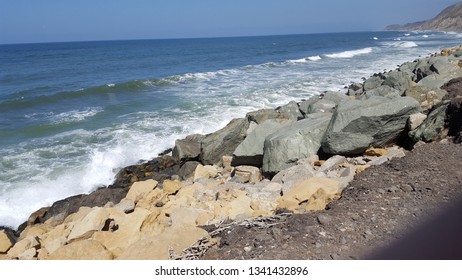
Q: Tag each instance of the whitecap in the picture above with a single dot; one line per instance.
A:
(350, 54)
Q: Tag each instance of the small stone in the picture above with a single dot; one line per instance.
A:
(324, 219)
(376, 152)
(247, 249)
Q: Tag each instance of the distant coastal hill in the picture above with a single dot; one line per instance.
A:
(450, 19)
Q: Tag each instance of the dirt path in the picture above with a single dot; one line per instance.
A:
(377, 209)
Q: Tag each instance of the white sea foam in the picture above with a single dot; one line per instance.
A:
(350, 54)
(314, 58)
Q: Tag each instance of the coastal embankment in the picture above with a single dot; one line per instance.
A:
(265, 172)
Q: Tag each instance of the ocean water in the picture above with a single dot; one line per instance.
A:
(73, 114)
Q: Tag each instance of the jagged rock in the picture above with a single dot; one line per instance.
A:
(311, 194)
(355, 89)
(29, 254)
(172, 187)
(93, 221)
(187, 169)
(23, 245)
(63, 208)
(334, 96)
(140, 189)
(415, 120)
(398, 80)
(433, 126)
(291, 110)
(454, 110)
(290, 143)
(383, 90)
(205, 172)
(126, 205)
(38, 216)
(159, 169)
(426, 97)
(375, 152)
(372, 83)
(224, 141)
(6, 241)
(250, 151)
(377, 121)
(306, 104)
(127, 233)
(82, 250)
(262, 115)
(322, 106)
(292, 175)
(247, 174)
(332, 163)
(158, 247)
(188, 149)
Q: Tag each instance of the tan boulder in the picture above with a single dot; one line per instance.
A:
(140, 189)
(205, 172)
(5, 242)
(376, 152)
(247, 174)
(185, 216)
(311, 194)
(82, 250)
(23, 245)
(172, 241)
(149, 201)
(172, 187)
(29, 254)
(79, 215)
(126, 205)
(127, 233)
(35, 230)
(92, 222)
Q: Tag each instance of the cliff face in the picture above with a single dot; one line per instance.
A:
(450, 19)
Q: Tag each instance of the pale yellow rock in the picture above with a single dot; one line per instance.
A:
(172, 187)
(153, 225)
(150, 200)
(23, 245)
(205, 218)
(376, 152)
(79, 215)
(311, 194)
(35, 230)
(185, 216)
(239, 208)
(125, 205)
(205, 172)
(226, 162)
(82, 250)
(54, 239)
(29, 254)
(5, 242)
(128, 232)
(92, 222)
(248, 174)
(140, 189)
(158, 247)
(361, 168)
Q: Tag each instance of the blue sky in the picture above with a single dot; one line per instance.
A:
(25, 21)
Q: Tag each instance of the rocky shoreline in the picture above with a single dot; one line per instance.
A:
(297, 158)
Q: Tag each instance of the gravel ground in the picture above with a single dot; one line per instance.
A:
(389, 211)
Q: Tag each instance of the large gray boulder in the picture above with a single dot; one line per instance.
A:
(223, 142)
(398, 80)
(306, 104)
(187, 149)
(384, 91)
(426, 97)
(373, 82)
(283, 148)
(262, 115)
(359, 124)
(291, 110)
(322, 106)
(433, 126)
(250, 151)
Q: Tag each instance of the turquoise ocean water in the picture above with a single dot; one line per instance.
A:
(72, 114)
